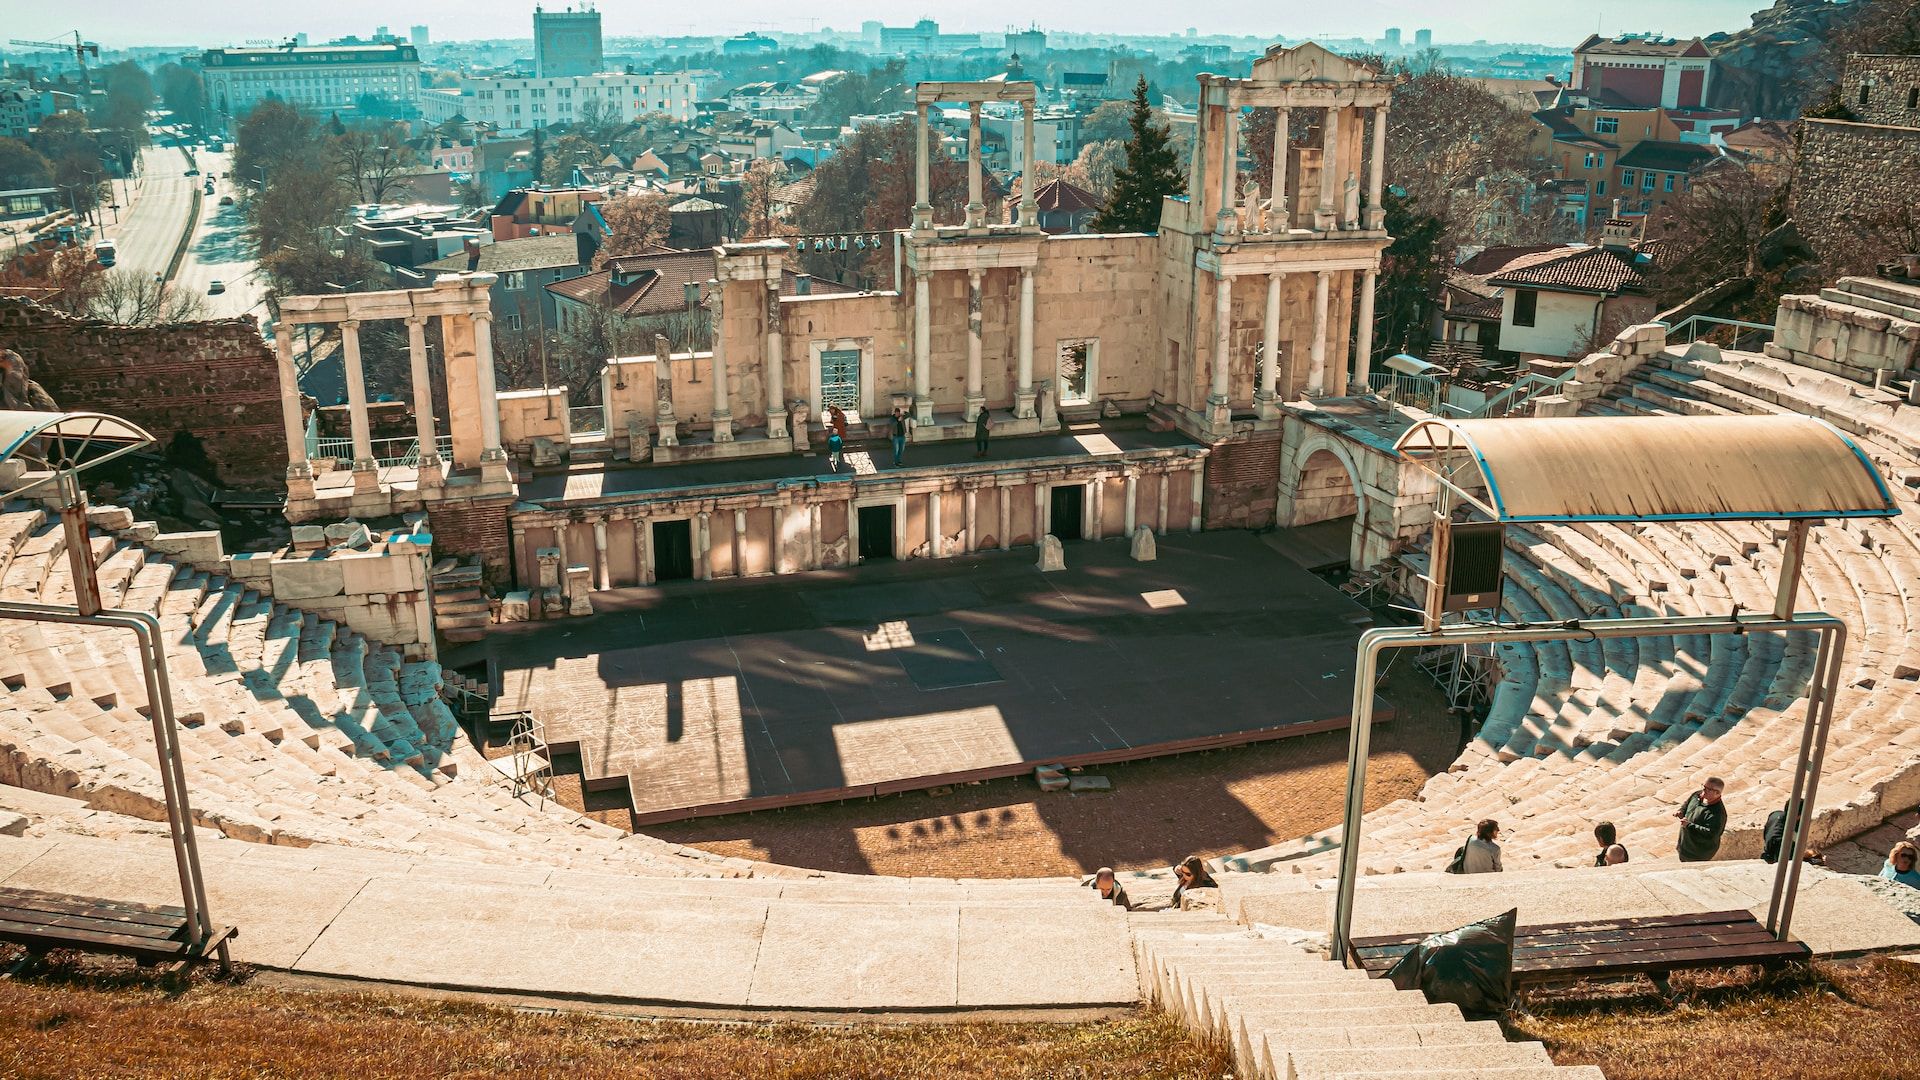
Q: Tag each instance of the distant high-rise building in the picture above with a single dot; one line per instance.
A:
(419, 36)
(1423, 39)
(1028, 43)
(870, 31)
(381, 32)
(1390, 41)
(300, 40)
(566, 42)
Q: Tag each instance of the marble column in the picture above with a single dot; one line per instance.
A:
(1097, 513)
(722, 410)
(493, 458)
(922, 347)
(1266, 398)
(1199, 493)
(922, 171)
(970, 510)
(1317, 364)
(1227, 221)
(703, 546)
(976, 207)
(934, 527)
(1377, 172)
(602, 572)
(1029, 209)
(366, 471)
(1217, 401)
(1133, 503)
(1006, 518)
(1279, 220)
(776, 363)
(1325, 218)
(299, 469)
(739, 543)
(1023, 387)
(643, 551)
(1363, 337)
(428, 469)
(976, 394)
(853, 534)
(1166, 484)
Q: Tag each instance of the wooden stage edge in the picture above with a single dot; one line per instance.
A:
(1382, 712)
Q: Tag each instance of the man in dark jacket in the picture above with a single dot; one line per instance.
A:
(1702, 819)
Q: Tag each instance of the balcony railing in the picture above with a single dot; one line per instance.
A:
(404, 450)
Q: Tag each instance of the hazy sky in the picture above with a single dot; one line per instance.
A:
(216, 22)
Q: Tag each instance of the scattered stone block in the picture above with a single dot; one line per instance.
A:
(1145, 548)
(1109, 409)
(545, 451)
(110, 518)
(549, 559)
(516, 606)
(1703, 352)
(1050, 778)
(1052, 556)
(308, 539)
(12, 824)
(579, 586)
(349, 534)
(1081, 784)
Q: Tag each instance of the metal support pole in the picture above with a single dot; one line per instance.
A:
(1793, 557)
(1833, 638)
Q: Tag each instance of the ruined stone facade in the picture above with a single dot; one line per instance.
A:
(1855, 181)
(213, 380)
(1883, 89)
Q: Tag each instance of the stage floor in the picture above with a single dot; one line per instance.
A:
(712, 698)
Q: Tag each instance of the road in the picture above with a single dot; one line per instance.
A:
(147, 234)
(220, 250)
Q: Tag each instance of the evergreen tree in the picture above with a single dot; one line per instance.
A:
(1152, 172)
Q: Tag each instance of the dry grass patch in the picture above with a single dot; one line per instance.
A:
(104, 1020)
(1828, 1022)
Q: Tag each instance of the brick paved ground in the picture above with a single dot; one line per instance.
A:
(1160, 810)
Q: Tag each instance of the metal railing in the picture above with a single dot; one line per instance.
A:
(1696, 325)
(587, 420)
(1518, 395)
(1421, 391)
(404, 450)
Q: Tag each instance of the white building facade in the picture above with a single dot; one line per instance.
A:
(515, 105)
(331, 78)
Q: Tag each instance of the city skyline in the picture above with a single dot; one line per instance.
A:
(115, 24)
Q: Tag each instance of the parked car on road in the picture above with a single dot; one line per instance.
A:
(226, 200)
(216, 286)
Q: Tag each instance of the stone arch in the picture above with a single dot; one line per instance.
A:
(1319, 481)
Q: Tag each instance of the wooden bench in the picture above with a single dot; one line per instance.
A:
(1651, 946)
(150, 933)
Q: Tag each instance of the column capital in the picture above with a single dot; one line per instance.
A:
(973, 276)
(350, 325)
(419, 321)
(482, 316)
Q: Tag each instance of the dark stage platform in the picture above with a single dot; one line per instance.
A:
(711, 698)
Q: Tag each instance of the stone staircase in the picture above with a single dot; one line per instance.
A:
(461, 610)
(1290, 1014)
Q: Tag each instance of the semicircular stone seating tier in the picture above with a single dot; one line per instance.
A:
(1586, 731)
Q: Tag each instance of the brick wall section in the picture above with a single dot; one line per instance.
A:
(474, 527)
(1863, 172)
(1243, 479)
(215, 380)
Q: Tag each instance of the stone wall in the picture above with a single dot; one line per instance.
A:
(1243, 478)
(1883, 89)
(215, 380)
(1850, 177)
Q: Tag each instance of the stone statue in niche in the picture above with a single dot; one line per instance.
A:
(666, 425)
(1250, 207)
(1350, 217)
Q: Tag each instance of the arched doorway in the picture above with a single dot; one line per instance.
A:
(1322, 499)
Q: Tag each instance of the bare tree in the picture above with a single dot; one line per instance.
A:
(136, 298)
(635, 224)
(372, 161)
(1715, 230)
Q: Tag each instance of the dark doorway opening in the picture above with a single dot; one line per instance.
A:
(1068, 499)
(876, 532)
(673, 550)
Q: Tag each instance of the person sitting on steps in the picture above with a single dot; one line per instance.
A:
(1611, 852)
(1900, 864)
(1192, 874)
(1109, 889)
(1483, 855)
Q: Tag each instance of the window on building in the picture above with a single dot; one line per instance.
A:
(1526, 306)
(1599, 187)
(1863, 93)
(1606, 125)
(1626, 177)
(1913, 97)
(513, 322)
(512, 280)
(1646, 182)
(1078, 359)
(1669, 182)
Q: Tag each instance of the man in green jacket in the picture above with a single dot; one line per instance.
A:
(1702, 819)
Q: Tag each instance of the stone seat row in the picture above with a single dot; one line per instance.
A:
(1287, 1014)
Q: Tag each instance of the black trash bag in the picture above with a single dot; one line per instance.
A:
(1472, 967)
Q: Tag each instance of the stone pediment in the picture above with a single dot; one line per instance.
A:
(1308, 62)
